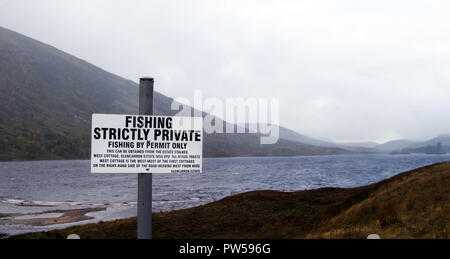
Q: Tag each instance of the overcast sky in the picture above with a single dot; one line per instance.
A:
(343, 70)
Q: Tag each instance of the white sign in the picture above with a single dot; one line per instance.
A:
(146, 144)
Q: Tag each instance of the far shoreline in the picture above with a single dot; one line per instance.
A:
(249, 157)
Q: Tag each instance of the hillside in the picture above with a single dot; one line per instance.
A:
(48, 97)
(414, 204)
(431, 149)
(395, 144)
(443, 139)
(399, 144)
(290, 135)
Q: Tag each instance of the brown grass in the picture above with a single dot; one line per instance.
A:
(410, 205)
(414, 204)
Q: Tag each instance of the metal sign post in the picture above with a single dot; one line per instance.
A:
(145, 144)
(144, 203)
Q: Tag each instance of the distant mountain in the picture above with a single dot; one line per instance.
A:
(409, 146)
(48, 96)
(429, 149)
(437, 145)
(288, 134)
(395, 145)
(291, 135)
(443, 139)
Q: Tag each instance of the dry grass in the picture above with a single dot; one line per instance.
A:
(415, 204)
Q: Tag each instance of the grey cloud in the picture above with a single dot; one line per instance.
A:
(343, 70)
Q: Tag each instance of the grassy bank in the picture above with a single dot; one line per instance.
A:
(413, 204)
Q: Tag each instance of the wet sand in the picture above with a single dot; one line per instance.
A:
(18, 218)
(43, 219)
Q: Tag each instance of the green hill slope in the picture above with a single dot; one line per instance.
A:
(48, 96)
(413, 204)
